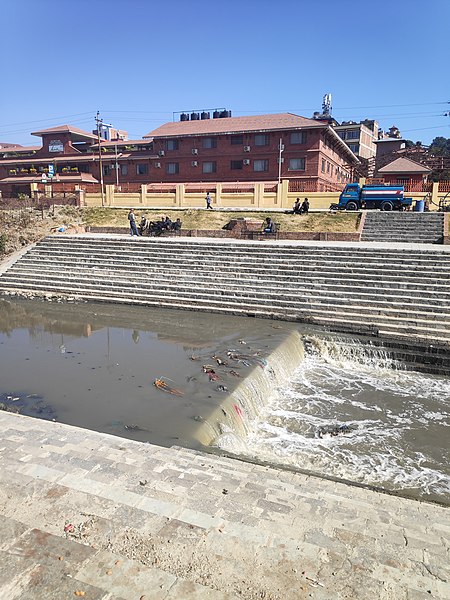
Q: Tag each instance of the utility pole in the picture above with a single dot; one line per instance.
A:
(280, 160)
(99, 122)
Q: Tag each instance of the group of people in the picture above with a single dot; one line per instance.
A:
(147, 227)
(301, 209)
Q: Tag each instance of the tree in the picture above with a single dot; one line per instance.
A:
(440, 146)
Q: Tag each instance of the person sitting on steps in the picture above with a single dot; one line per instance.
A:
(176, 225)
(269, 226)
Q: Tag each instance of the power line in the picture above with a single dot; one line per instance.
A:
(47, 120)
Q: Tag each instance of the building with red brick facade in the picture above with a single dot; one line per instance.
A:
(224, 149)
(248, 149)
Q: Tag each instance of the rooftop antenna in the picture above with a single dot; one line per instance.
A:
(326, 105)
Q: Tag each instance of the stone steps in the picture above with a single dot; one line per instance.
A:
(232, 247)
(413, 276)
(291, 290)
(346, 318)
(400, 291)
(228, 528)
(403, 227)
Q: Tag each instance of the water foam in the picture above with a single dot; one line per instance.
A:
(397, 421)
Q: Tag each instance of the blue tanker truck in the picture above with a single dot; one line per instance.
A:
(382, 197)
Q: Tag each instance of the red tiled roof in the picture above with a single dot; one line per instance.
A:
(404, 165)
(65, 129)
(235, 125)
(9, 146)
(121, 143)
(19, 149)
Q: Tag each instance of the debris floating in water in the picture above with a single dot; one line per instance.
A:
(162, 385)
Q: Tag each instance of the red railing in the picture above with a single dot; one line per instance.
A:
(161, 188)
(417, 186)
(239, 188)
(444, 186)
(127, 188)
(200, 188)
(303, 185)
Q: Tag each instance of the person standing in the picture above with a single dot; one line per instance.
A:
(208, 201)
(132, 220)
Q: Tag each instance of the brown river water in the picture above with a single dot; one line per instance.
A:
(94, 366)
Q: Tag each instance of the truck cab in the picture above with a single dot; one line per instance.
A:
(381, 197)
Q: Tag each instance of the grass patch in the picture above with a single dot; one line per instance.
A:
(216, 219)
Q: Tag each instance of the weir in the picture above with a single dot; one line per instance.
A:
(234, 418)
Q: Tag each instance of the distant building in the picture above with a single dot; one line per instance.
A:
(404, 171)
(198, 148)
(195, 149)
(360, 137)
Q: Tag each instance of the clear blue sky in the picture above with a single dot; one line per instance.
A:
(139, 61)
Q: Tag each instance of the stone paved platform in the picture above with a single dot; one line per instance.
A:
(83, 514)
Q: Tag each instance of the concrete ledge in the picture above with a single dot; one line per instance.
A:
(251, 235)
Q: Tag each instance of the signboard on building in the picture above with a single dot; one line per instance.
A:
(55, 146)
(51, 171)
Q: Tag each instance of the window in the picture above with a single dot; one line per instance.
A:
(172, 168)
(237, 140)
(141, 169)
(236, 164)
(353, 135)
(328, 167)
(261, 139)
(298, 137)
(260, 165)
(341, 134)
(124, 169)
(209, 142)
(209, 167)
(296, 164)
(323, 165)
(106, 169)
(172, 145)
(354, 148)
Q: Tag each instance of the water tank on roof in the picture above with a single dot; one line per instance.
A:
(223, 114)
(204, 115)
(184, 117)
(195, 116)
(216, 114)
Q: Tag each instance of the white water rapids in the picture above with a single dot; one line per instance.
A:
(398, 436)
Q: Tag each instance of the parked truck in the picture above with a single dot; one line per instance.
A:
(383, 197)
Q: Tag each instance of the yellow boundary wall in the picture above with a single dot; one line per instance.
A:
(256, 199)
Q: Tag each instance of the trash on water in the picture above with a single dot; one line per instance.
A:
(164, 387)
(234, 373)
(222, 388)
(333, 431)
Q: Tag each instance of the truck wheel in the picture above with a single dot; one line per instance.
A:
(351, 206)
(386, 206)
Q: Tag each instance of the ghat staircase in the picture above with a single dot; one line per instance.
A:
(401, 292)
(409, 227)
